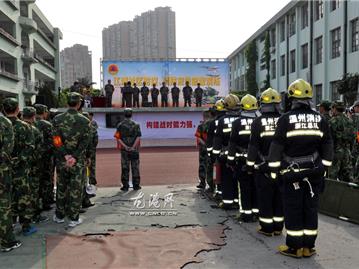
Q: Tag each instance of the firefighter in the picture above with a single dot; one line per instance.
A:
(238, 147)
(220, 152)
(301, 152)
(217, 112)
(269, 198)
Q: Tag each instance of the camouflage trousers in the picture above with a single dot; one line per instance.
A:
(342, 167)
(205, 169)
(46, 178)
(6, 233)
(34, 184)
(69, 191)
(130, 160)
(21, 195)
(92, 167)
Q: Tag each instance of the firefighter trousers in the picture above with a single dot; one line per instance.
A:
(300, 202)
(249, 203)
(228, 184)
(270, 204)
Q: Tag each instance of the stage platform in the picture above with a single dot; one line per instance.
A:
(160, 127)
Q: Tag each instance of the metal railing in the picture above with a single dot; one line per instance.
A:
(9, 36)
(43, 61)
(9, 75)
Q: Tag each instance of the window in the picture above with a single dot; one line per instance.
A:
(318, 9)
(335, 35)
(318, 93)
(291, 24)
(304, 13)
(318, 50)
(282, 65)
(334, 4)
(273, 69)
(334, 88)
(282, 30)
(355, 34)
(305, 56)
(292, 61)
(272, 38)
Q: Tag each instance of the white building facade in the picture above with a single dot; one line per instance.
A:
(29, 51)
(314, 40)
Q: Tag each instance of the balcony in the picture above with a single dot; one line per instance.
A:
(28, 56)
(9, 37)
(44, 62)
(9, 75)
(30, 87)
(28, 24)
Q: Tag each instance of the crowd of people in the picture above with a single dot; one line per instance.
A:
(271, 165)
(131, 95)
(32, 148)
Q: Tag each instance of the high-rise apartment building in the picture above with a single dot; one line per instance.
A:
(152, 35)
(76, 63)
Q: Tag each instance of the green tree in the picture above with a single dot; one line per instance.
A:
(251, 57)
(348, 87)
(266, 56)
(48, 96)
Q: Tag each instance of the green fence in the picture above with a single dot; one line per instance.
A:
(341, 200)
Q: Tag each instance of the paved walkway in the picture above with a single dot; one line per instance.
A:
(338, 241)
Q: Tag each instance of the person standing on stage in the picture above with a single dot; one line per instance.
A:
(109, 89)
(175, 91)
(187, 94)
(154, 95)
(145, 91)
(198, 94)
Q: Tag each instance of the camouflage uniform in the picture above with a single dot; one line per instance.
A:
(205, 171)
(343, 136)
(92, 153)
(128, 131)
(47, 165)
(6, 148)
(35, 161)
(71, 137)
(24, 146)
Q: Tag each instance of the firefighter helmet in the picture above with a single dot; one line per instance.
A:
(249, 102)
(219, 105)
(300, 89)
(231, 101)
(270, 96)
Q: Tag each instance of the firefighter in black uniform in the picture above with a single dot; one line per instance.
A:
(269, 197)
(219, 112)
(301, 152)
(220, 152)
(238, 147)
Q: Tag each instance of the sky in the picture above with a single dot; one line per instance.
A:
(204, 28)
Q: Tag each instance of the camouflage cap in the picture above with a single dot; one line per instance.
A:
(10, 103)
(356, 103)
(74, 97)
(338, 104)
(40, 109)
(326, 104)
(28, 112)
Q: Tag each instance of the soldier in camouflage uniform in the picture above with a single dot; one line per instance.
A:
(24, 146)
(204, 171)
(343, 137)
(128, 135)
(71, 138)
(28, 115)
(47, 159)
(355, 152)
(324, 109)
(7, 238)
(94, 142)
